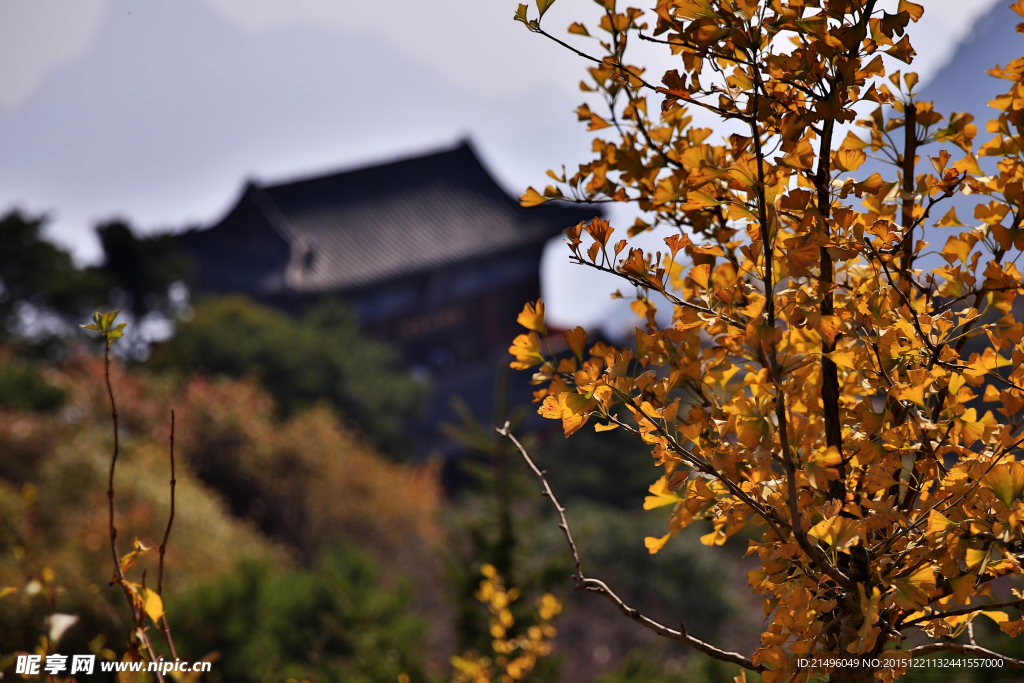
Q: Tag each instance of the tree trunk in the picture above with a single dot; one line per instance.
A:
(848, 634)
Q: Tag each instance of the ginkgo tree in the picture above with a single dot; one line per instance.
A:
(845, 395)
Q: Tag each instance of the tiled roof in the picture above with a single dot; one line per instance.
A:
(359, 228)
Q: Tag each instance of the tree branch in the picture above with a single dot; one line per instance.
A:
(163, 549)
(597, 586)
(965, 610)
(658, 89)
(672, 298)
(112, 529)
(118, 573)
(813, 552)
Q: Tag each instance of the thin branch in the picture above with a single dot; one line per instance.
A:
(152, 655)
(812, 551)
(903, 295)
(694, 47)
(113, 465)
(597, 586)
(672, 298)
(940, 398)
(170, 519)
(705, 467)
(946, 506)
(165, 627)
(965, 610)
(563, 522)
(118, 573)
(658, 89)
(974, 292)
(112, 529)
(932, 201)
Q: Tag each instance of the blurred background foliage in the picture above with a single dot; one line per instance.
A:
(306, 544)
(334, 623)
(321, 356)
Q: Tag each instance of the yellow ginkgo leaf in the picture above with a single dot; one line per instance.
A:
(844, 358)
(949, 220)
(532, 317)
(847, 159)
(654, 544)
(531, 197)
(939, 524)
(661, 497)
(700, 274)
(526, 349)
(830, 327)
(576, 339)
(1006, 480)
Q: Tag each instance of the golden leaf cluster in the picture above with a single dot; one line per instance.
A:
(513, 657)
(847, 396)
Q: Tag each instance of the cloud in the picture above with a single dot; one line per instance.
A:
(158, 109)
(39, 36)
(473, 44)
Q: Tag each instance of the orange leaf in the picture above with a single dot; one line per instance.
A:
(950, 219)
(701, 274)
(655, 544)
(1006, 481)
(576, 339)
(533, 198)
(129, 559)
(532, 317)
(849, 159)
(912, 8)
(526, 349)
(830, 327)
(661, 497)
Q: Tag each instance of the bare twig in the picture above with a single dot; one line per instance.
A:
(152, 656)
(118, 573)
(163, 548)
(597, 586)
(629, 72)
(110, 483)
(563, 522)
(975, 293)
(170, 519)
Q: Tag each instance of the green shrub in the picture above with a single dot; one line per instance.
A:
(22, 387)
(333, 623)
(322, 355)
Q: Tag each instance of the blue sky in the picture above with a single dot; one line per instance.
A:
(158, 110)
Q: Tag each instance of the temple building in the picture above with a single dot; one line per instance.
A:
(431, 254)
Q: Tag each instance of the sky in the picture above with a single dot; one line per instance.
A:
(158, 111)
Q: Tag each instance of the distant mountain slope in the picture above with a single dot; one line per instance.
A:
(963, 85)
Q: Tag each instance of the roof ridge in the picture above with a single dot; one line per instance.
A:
(358, 227)
(463, 145)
